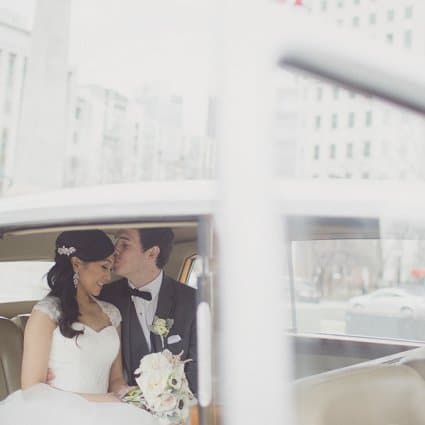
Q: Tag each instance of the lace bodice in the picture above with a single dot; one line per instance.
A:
(82, 364)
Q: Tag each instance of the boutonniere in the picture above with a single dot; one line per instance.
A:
(161, 327)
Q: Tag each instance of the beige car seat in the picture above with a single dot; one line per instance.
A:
(368, 395)
(11, 347)
(20, 320)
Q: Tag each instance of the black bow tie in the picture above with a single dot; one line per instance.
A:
(142, 294)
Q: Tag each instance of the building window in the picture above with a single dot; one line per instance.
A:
(316, 152)
(74, 164)
(335, 92)
(372, 19)
(4, 137)
(402, 151)
(389, 37)
(11, 70)
(356, 1)
(77, 113)
(385, 148)
(365, 175)
(24, 70)
(349, 150)
(408, 12)
(334, 120)
(340, 4)
(368, 118)
(332, 151)
(317, 121)
(7, 105)
(324, 5)
(407, 39)
(319, 93)
(390, 15)
(366, 149)
(351, 119)
(356, 21)
(136, 137)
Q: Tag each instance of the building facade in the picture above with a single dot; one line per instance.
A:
(348, 135)
(14, 52)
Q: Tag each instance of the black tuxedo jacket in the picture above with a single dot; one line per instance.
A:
(175, 301)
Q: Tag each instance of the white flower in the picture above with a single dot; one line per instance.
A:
(177, 377)
(152, 384)
(164, 389)
(174, 382)
(161, 326)
(154, 372)
(155, 362)
(183, 407)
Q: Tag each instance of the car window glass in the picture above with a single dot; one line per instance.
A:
(363, 287)
(194, 271)
(23, 280)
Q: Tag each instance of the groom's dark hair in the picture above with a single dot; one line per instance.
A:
(163, 238)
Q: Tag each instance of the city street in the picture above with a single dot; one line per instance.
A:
(326, 316)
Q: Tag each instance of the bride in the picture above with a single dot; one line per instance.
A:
(72, 340)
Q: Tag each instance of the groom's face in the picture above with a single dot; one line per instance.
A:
(130, 259)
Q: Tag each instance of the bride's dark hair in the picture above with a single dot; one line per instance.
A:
(87, 245)
(59, 278)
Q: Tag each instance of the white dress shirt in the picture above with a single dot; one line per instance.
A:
(146, 309)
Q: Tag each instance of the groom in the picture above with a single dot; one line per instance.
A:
(145, 293)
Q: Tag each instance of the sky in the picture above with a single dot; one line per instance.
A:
(127, 44)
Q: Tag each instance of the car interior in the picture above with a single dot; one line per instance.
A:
(355, 379)
(37, 245)
(332, 374)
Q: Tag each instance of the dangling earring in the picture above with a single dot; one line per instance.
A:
(75, 279)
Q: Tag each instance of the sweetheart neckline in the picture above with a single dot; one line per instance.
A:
(94, 330)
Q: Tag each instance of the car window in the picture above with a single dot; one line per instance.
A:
(23, 280)
(191, 270)
(363, 287)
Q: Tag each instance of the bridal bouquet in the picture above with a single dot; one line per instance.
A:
(163, 388)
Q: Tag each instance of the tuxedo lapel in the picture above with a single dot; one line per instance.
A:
(164, 310)
(133, 339)
(165, 299)
(125, 330)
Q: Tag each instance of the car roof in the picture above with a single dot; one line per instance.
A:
(313, 209)
(102, 204)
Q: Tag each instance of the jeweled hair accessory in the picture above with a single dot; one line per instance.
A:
(63, 250)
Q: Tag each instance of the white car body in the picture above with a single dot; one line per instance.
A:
(388, 302)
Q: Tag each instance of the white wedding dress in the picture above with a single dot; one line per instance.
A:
(79, 365)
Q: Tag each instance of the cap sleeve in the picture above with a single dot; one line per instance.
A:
(50, 306)
(111, 311)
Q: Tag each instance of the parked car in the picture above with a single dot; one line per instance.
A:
(387, 313)
(389, 301)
